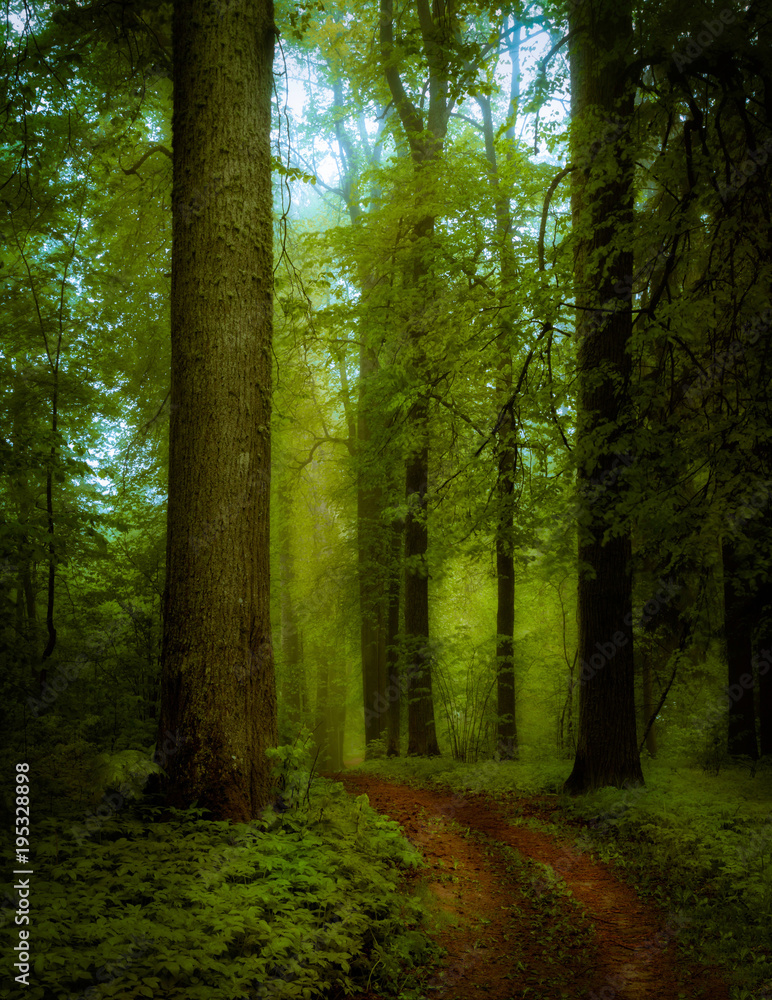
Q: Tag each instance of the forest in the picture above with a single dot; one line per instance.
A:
(386, 499)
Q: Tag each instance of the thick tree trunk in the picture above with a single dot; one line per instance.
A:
(738, 625)
(607, 751)
(218, 687)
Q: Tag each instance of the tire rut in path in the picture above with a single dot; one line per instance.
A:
(635, 950)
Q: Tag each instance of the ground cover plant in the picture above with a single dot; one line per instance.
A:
(305, 902)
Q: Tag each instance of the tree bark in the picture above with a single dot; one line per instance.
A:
(738, 626)
(506, 446)
(505, 592)
(422, 739)
(372, 580)
(394, 689)
(218, 687)
(607, 751)
(647, 693)
(294, 693)
(425, 139)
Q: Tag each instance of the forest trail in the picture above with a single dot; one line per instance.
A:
(508, 928)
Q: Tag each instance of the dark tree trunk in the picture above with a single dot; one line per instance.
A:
(764, 663)
(372, 580)
(218, 690)
(607, 751)
(505, 595)
(420, 713)
(647, 693)
(738, 625)
(394, 690)
(506, 446)
(424, 125)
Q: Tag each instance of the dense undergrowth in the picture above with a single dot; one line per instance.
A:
(305, 902)
(697, 844)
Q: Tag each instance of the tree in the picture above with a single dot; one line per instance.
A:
(425, 136)
(602, 207)
(218, 688)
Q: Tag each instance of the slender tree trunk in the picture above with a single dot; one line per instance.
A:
(762, 661)
(218, 688)
(741, 726)
(765, 699)
(294, 696)
(394, 690)
(50, 645)
(648, 701)
(422, 739)
(322, 715)
(372, 581)
(607, 751)
(337, 710)
(506, 446)
(424, 129)
(505, 593)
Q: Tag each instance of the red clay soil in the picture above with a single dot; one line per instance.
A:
(510, 928)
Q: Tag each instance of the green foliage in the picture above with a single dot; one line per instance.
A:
(296, 904)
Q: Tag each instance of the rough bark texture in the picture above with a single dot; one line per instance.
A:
(218, 688)
(602, 101)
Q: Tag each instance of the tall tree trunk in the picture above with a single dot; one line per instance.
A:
(764, 665)
(647, 694)
(506, 441)
(294, 697)
(422, 738)
(607, 751)
(372, 581)
(505, 591)
(322, 714)
(218, 686)
(394, 689)
(425, 139)
(741, 724)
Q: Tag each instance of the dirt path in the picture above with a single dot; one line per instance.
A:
(524, 915)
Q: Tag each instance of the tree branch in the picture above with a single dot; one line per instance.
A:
(141, 160)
